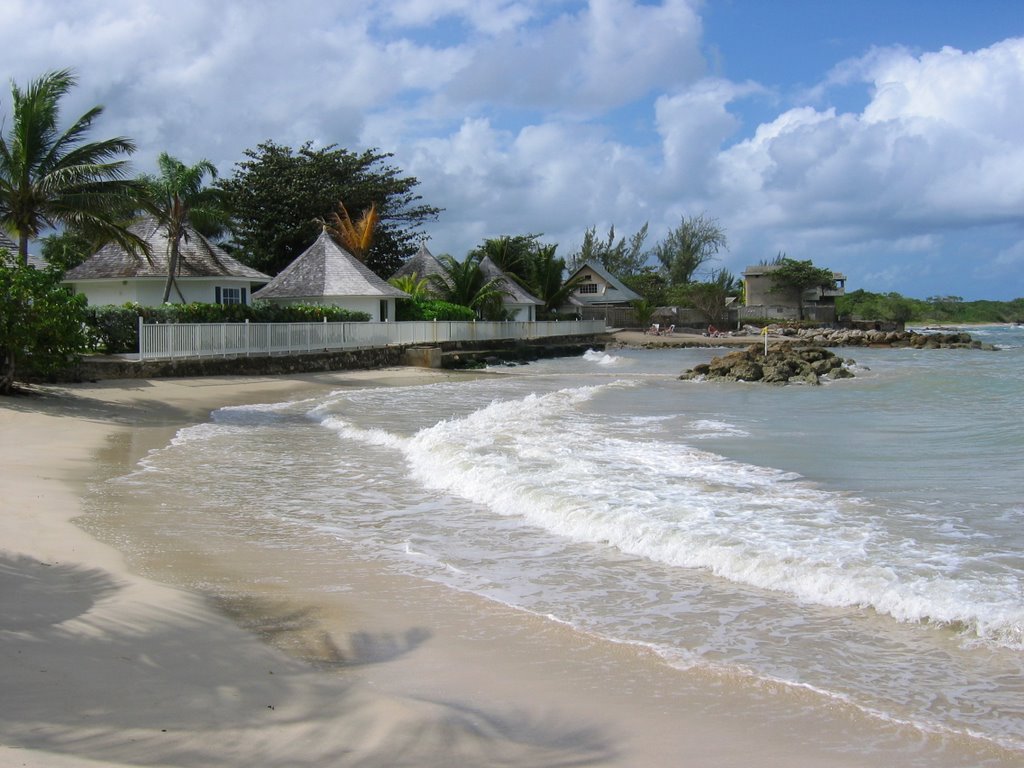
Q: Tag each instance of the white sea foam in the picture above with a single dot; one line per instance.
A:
(540, 458)
(601, 358)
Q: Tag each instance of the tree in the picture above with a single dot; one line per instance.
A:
(796, 277)
(650, 284)
(696, 241)
(50, 178)
(417, 287)
(513, 254)
(620, 257)
(465, 283)
(179, 199)
(41, 323)
(277, 196)
(355, 236)
(709, 298)
(547, 279)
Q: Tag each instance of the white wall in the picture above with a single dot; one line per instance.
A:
(150, 292)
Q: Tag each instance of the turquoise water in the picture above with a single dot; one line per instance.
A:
(862, 540)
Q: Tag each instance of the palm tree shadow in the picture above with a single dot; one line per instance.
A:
(36, 595)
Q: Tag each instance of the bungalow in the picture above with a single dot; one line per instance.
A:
(325, 273)
(423, 264)
(597, 291)
(206, 273)
(517, 301)
(764, 300)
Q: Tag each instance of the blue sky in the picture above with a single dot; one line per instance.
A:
(881, 139)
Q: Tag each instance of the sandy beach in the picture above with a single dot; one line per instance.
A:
(187, 658)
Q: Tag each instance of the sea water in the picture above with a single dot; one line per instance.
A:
(861, 541)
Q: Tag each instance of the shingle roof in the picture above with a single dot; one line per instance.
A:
(517, 294)
(325, 269)
(8, 243)
(198, 258)
(617, 292)
(423, 265)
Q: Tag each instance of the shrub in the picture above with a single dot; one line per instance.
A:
(432, 309)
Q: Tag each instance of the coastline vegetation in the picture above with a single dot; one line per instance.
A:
(865, 305)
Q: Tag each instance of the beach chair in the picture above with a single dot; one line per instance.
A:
(668, 331)
(653, 330)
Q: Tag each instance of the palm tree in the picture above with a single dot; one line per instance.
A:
(179, 200)
(417, 287)
(465, 283)
(548, 282)
(356, 237)
(50, 178)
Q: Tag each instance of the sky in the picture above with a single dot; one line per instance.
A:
(881, 139)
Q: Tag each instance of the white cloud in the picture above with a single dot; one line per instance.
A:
(537, 116)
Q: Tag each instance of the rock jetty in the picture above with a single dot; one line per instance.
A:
(785, 363)
(855, 337)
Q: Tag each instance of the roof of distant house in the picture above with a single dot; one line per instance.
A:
(198, 258)
(326, 269)
(618, 293)
(516, 293)
(423, 264)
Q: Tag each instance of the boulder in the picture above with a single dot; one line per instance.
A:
(784, 363)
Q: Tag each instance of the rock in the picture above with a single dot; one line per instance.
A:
(783, 363)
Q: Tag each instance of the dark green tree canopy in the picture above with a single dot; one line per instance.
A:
(688, 247)
(42, 326)
(795, 277)
(277, 195)
(621, 257)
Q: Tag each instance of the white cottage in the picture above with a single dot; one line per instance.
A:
(326, 273)
(206, 273)
(518, 302)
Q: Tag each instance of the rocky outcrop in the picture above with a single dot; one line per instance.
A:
(785, 363)
(855, 337)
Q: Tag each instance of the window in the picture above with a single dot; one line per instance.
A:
(383, 310)
(229, 295)
(588, 288)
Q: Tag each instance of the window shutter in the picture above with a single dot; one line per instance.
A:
(216, 295)
(244, 300)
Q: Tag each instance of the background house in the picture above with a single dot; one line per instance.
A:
(206, 272)
(325, 273)
(764, 300)
(517, 301)
(423, 264)
(600, 295)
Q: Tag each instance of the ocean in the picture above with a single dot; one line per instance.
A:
(860, 542)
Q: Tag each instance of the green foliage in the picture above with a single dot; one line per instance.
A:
(41, 323)
(465, 283)
(708, 297)
(864, 305)
(620, 257)
(643, 310)
(68, 249)
(513, 254)
(277, 195)
(417, 287)
(115, 328)
(651, 285)
(794, 276)
(432, 309)
(688, 247)
(49, 176)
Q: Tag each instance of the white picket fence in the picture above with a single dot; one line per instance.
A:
(175, 340)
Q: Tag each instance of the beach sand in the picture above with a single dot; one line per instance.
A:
(214, 663)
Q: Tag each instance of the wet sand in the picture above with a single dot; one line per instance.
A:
(204, 655)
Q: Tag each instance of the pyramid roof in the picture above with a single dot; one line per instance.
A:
(325, 270)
